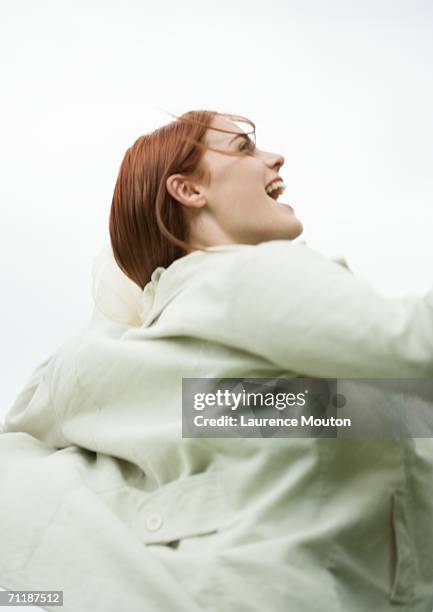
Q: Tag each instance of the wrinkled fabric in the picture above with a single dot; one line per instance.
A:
(103, 498)
(119, 299)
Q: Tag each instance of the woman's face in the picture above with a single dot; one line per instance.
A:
(233, 207)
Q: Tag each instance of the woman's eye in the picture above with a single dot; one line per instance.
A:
(245, 145)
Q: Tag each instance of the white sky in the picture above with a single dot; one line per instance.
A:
(344, 90)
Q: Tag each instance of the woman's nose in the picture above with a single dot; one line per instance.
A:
(275, 161)
(280, 161)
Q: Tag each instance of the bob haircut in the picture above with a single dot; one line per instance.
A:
(147, 225)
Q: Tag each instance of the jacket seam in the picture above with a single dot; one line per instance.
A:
(53, 404)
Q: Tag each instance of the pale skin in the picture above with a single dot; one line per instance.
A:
(233, 207)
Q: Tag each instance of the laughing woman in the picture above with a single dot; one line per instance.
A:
(104, 499)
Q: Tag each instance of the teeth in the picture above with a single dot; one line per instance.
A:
(275, 185)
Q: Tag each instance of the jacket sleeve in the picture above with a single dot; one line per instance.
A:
(310, 315)
(33, 411)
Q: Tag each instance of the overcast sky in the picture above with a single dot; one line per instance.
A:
(344, 90)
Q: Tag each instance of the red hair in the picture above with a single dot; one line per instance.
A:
(147, 226)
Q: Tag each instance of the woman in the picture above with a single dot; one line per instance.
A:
(105, 498)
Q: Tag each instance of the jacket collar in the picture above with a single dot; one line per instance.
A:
(122, 301)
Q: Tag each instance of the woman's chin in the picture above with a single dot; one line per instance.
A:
(289, 220)
(295, 228)
(287, 206)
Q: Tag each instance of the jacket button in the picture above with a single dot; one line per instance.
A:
(154, 521)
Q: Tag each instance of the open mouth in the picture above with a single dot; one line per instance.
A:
(276, 194)
(275, 190)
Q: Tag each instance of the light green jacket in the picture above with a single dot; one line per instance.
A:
(102, 498)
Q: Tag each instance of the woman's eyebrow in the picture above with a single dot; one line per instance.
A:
(240, 135)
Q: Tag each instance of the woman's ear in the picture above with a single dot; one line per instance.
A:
(185, 190)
